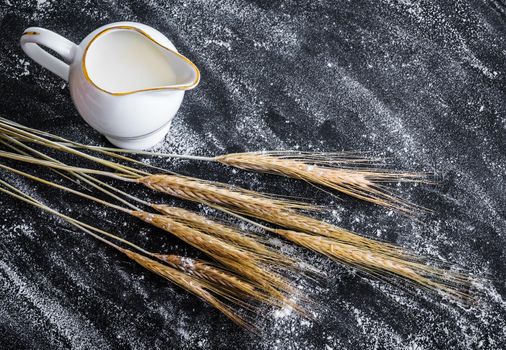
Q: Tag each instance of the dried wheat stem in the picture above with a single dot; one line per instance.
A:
(50, 164)
(96, 183)
(232, 256)
(322, 169)
(52, 184)
(7, 141)
(69, 143)
(316, 168)
(16, 193)
(196, 276)
(127, 151)
(15, 131)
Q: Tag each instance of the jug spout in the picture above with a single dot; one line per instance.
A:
(186, 74)
(124, 60)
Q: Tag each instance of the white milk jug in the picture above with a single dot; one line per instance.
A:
(126, 79)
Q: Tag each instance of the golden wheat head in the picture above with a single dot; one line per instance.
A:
(385, 267)
(225, 283)
(197, 287)
(270, 210)
(208, 244)
(244, 263)
(226, 232)
(202, 191)
(328, 171)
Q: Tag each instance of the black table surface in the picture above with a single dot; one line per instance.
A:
(422, 83)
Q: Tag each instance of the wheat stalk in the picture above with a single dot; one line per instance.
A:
(246, 263)
(325, 169)
(330, 170)
(228, 233)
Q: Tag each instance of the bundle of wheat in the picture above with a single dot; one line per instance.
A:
(379, 259)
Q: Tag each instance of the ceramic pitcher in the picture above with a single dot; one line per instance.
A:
(126, 79)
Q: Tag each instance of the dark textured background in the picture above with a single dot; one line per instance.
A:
(422, 82)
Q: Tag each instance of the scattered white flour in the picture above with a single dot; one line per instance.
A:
(408, 80)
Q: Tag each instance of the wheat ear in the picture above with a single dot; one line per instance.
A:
(240, 261)
(330, 171)
(380, 266)
(230, 284)
(200, 288)
(276, 213)
(247, 241)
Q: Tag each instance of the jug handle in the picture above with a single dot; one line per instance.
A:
(31, 40)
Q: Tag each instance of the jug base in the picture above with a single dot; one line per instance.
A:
(142, 142)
